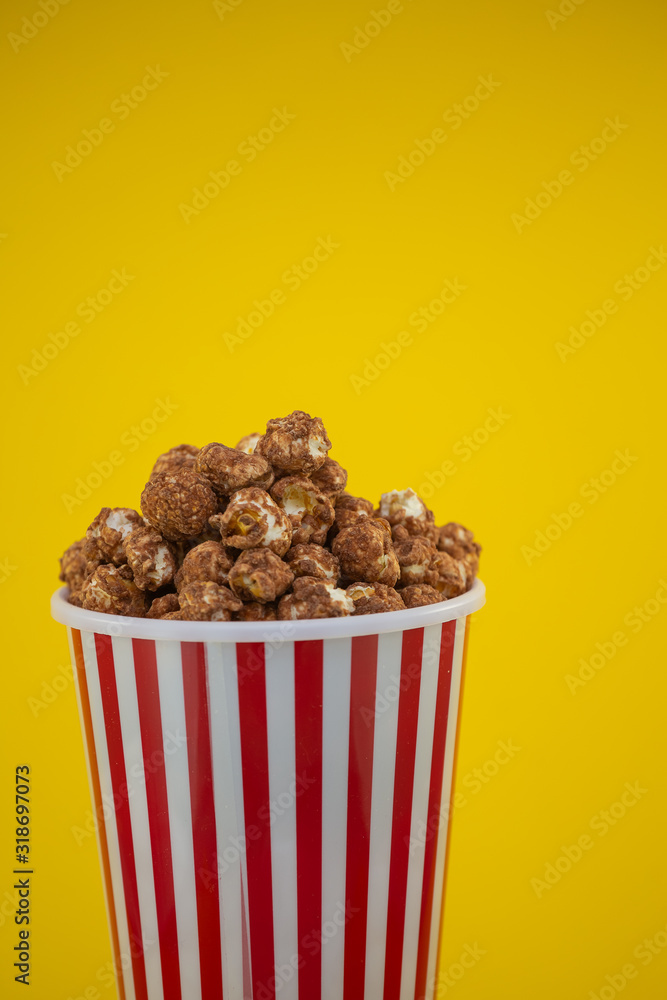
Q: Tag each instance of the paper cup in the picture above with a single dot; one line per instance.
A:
(272, 798)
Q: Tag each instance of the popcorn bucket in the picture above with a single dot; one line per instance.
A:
(272, 798)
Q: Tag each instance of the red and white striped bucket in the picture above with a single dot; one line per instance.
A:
(272, 798)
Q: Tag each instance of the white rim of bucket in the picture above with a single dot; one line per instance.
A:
(294, 631)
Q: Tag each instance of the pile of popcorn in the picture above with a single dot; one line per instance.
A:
(265, 531)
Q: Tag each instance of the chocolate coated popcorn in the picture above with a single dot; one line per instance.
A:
(252, 518)
(348, 510)
(373, 598)
(414, 554)
(406, 511)
(297, 443)
(447, 575)
(248, 443)
(418, 594)
(207, 602)
(330, 478)
(365, 552)
(150, 558)
(313, 598)
(228, 469)
(107, 533)
(178, 504)
(260, 575)
(181, 457)
(112, 590)
(264, 531)
(76, 567)
(253, 611)
(310, 512)
(459, 542)
(162, 606)
(208, 562)
(308, 559)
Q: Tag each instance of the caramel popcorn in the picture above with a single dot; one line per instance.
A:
(416, 595)
(264, 531)
(372, 598)
(207, 602)
(150, 558)
(365, 552)
(310, 512)
(181, 457)
(248, 443)
(178, 504)
(161, 606)
(228, 469)
(253, 611)
(107, 533)
(330, 478)
(260, 575)
(308, 559)
(112, 590)
(297, 443)
(313, 598)
(254, 519)
(447, 575)
(207, 562)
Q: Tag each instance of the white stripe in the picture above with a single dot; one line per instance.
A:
(172, 709)
(337, 665)
(223, 699)
(106, 789)
(422, 780)
(443, 827)
(230, 671)
(138, 805)
(384, 768)
(283, 789)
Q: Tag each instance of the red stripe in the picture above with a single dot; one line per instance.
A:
(434, 818)
(406, 746)
(105, 665)
(152, 742)
(308, 764)
(360, 782)
(255, 767)
(97, 802)
(204, 839)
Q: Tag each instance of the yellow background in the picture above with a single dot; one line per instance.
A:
(162, 337)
